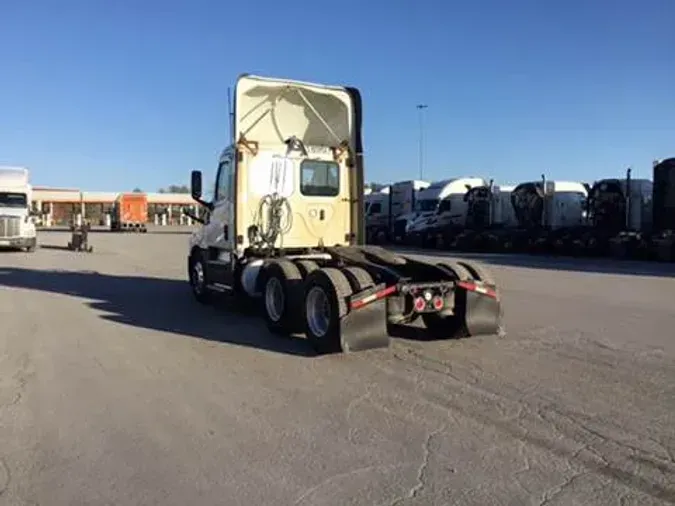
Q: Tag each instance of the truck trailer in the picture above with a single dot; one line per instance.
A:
(17, 228)
(378, 216)
(404, 195)
(130, 213)
(286, 228)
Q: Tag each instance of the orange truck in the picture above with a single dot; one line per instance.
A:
(130, 213)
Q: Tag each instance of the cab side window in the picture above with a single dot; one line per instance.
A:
(445, 206)
(224, 181)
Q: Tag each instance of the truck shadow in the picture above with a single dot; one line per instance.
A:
(54, 247)
(158, 304)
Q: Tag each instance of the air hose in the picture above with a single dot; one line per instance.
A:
(274, 219)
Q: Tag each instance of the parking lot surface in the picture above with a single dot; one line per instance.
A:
(116, 388)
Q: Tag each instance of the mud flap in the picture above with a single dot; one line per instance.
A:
(365, 328)
(483, 314)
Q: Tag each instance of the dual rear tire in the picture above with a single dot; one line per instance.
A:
(303, 298)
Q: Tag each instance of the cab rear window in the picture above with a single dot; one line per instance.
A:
(319, 178)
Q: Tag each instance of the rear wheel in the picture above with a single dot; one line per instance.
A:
(358, 278)
(479, 272)
(306, 266)
(325, 294)
(281, 294)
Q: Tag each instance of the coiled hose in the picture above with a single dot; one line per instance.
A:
(274, 219)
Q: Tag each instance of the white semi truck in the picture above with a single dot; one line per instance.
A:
(17, 228)
(441, 207)
(286, 227)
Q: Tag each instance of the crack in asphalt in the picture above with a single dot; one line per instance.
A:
(421, 470)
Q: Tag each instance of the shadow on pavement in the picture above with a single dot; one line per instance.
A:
(590, 265)
(54, 247)
(158, 304)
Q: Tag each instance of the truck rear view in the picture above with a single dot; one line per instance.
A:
(130, 213)
(286, 227)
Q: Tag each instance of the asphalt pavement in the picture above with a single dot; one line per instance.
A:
(116, 388)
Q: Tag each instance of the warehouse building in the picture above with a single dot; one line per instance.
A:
(61, 206)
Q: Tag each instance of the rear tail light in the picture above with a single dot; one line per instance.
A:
(438, 303)
(420, 304)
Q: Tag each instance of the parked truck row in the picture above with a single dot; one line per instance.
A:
(620, 217)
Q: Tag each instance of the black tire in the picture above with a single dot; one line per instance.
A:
(31, 247)
(358, 278)
(198, 276)
(334, 285)
(306, 267)
(282, 314)
(479, 272)
(456, 269)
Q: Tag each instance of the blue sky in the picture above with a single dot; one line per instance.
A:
(114, 94)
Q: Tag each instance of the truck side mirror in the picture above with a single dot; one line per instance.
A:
(196, 184)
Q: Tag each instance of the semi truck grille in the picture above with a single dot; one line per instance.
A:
(10, 226)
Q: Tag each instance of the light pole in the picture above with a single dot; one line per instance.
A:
(420, 108)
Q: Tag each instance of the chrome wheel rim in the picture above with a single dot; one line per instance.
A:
(318, 311)
(274, 299)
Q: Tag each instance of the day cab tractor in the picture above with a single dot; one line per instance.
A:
(285, 227)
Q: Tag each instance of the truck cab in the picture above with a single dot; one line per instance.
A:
(17, 228)
(287, 181)
(443, 210)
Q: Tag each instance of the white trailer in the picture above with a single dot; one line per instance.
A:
(17, 229)
(377, 215)
(404, 195)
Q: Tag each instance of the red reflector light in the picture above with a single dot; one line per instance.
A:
(438, 303)
(420, 304)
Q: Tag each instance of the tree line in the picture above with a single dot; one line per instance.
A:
(173, 188)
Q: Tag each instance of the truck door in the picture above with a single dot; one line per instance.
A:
(220, 226)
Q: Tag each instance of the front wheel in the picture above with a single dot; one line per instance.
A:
(197, 273)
